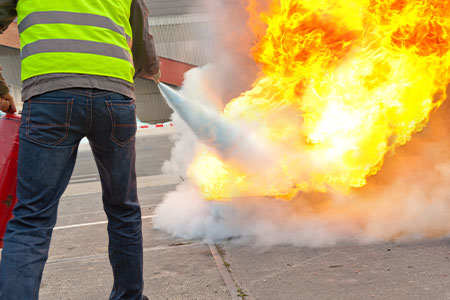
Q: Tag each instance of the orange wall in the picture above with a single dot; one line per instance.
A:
(10, 37)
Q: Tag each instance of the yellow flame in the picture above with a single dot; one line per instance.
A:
(342, 84)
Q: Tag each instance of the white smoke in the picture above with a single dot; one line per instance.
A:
(408, 199)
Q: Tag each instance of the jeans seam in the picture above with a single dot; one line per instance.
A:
(89, 107)
(120, 104)
(103, 94)
(47, 102)
(87, 93)
(46, 125)
(87, 119)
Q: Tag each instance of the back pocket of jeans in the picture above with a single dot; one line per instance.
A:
(123, 118)
(48, 120)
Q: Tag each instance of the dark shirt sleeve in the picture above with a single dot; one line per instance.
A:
(146, 61)
(7, 13)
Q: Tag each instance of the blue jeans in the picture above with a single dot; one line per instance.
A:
(53, 125)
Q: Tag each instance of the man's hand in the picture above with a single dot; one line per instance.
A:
(156, 78)
(7, 103)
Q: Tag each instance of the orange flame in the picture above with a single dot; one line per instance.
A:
(342, 84)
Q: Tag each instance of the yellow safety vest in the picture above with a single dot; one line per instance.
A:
(75, 36)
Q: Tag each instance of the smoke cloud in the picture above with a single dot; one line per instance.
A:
(407, 200)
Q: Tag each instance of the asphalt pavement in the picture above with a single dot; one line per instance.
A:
(78, 266)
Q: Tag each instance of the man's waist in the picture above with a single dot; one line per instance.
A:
(50, 82)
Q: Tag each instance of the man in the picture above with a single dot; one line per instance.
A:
(78, 61)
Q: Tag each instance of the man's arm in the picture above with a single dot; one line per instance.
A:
(7, 13)
(3, 86)
(146, 61)
(6, 100)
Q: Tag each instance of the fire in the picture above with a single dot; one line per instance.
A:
(342, 84)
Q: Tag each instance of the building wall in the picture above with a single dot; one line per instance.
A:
(182, 30)
(185, 38)
(158, 8)
(10, 63)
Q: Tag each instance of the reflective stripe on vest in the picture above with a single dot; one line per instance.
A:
(76, 46)
(92, 39)
(65, 17)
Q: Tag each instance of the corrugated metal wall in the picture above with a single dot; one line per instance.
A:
(160, 8)
(185, 38)
(10, 63)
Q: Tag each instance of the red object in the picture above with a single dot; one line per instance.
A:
(172, 71)
(9, 150)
